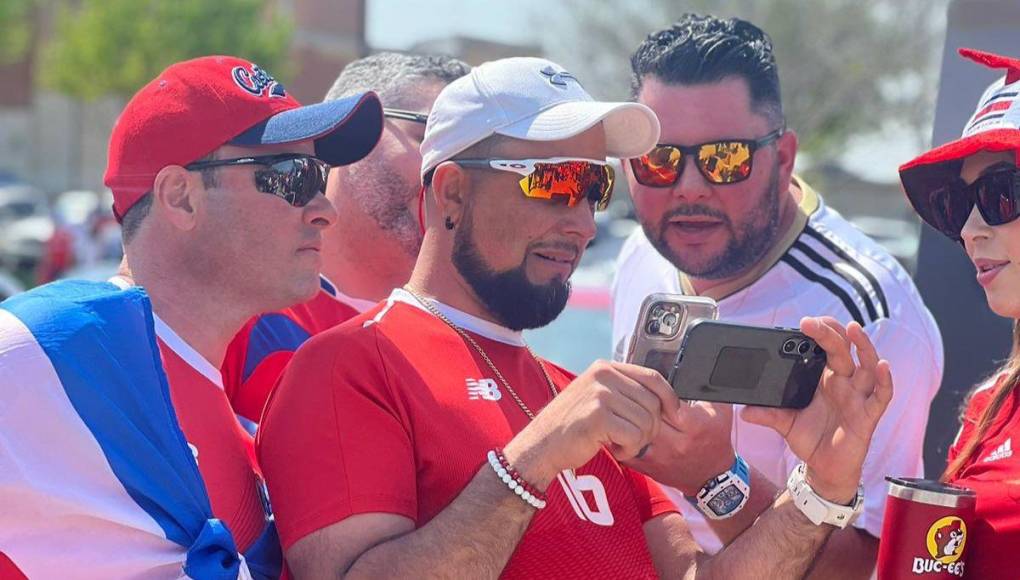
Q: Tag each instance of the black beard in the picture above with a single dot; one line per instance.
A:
(745, 248)
(509, 296)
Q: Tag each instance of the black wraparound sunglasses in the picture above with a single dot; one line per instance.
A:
(295, 178)
(947, 206)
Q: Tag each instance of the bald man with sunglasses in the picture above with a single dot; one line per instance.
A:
(371, 247)
(724, 217)
(431, 440)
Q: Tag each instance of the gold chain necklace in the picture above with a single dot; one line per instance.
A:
(467, 338)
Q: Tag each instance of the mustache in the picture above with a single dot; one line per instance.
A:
(695, 210)
(565, 246)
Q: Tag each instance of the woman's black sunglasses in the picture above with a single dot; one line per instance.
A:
(948, 206)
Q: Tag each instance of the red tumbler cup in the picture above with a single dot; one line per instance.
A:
(924, 535)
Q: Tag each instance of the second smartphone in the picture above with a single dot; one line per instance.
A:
(661, 326)
(749, 365)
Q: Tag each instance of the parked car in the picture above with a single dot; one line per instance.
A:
(19, 201)
(24, 224)
(22, 242)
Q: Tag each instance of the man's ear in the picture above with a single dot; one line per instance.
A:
(177, 195)
(449, 188)
(786, 154)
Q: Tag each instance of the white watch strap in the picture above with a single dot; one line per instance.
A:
(818, 509)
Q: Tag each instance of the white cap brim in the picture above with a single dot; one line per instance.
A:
(632, 129)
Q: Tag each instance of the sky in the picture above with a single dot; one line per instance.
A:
(399, 24)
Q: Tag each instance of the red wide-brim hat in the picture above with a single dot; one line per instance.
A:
(994, 126)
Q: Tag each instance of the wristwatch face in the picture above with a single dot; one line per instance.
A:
(727, 500)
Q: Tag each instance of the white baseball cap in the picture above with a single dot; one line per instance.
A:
(532, 99)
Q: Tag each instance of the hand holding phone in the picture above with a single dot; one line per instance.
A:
(833, 433)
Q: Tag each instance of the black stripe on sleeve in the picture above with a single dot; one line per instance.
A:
(829, 285)
(844, 255)
(821, 261)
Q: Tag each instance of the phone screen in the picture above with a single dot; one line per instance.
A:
(738, 367)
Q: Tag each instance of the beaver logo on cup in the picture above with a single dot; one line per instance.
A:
(946, 539)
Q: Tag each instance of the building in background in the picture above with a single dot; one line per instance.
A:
(59, 143)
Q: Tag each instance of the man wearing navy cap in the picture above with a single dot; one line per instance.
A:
(216, 173)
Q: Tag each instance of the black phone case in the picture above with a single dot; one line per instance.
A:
(749, 365)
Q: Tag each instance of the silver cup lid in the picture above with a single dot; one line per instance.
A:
(931, 492)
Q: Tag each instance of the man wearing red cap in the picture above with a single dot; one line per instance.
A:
(217, 175)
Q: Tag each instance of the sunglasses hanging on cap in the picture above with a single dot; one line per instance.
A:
(947, 206)
(720, 162)
(295, 178)
(559, 179)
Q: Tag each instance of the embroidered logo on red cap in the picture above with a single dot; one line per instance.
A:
(257, 82)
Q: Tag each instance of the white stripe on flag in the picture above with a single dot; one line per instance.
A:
(63, 510)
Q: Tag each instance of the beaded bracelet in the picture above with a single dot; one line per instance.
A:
(517, 476)
(514, 481)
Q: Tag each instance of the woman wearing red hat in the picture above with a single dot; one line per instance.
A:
(970, 191)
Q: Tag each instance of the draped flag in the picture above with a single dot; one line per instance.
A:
(96, 477)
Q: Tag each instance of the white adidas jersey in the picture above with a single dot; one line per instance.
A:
(824, 266)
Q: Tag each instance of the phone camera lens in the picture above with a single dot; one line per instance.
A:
(819, 351)
(653, 327)
(790, 346)
(804, 347)
(669, 320)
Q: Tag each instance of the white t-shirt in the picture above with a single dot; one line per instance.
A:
(823, 266)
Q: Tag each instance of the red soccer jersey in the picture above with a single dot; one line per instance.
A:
(397, 414)
(223, 449)
(8, 571)
(994, 473)
(258, 354)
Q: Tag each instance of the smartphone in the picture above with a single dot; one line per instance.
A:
(750, 365)
(661, 326)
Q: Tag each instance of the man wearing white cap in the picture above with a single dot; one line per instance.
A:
(432, 441)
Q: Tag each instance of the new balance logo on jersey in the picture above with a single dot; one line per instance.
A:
(1004, 451)
(485, 389)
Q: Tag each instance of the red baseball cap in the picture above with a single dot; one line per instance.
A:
(194, 107)
(994, 126)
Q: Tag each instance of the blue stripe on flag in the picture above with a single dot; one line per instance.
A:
(101, 342)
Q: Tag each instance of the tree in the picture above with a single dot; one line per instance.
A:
(15, 29)
(846, 66)
(113, 47)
